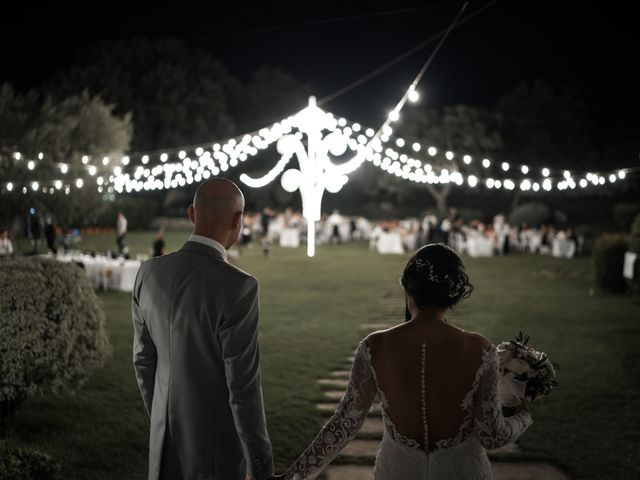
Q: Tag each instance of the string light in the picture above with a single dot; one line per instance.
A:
(368, 146)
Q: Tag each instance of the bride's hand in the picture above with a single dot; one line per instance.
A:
(522, 407)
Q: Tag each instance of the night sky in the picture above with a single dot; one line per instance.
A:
(592, 48)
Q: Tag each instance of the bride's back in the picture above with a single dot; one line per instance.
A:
(425, 369)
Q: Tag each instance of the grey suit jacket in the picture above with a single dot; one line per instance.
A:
(197, 363)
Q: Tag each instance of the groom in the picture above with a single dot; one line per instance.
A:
(195, 351)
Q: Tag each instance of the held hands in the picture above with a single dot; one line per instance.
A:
(511, 411)
(521, 407)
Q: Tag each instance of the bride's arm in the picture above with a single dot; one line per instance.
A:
(492, 428)
(345, 422)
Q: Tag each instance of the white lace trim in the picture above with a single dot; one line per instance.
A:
(481, 403)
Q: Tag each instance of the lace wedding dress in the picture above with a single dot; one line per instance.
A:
(402, 458)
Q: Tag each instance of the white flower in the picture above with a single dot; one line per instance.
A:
(504, 356)
(518, 366)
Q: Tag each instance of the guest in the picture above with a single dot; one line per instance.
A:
(50, 235)
(335, 220)
(6, 247)
(266, 244)
(121, 230)
(572, 237)
(35, 229)
(265, 219)
(246, 234)
(353, 229)
(66, 239)
(158, 244)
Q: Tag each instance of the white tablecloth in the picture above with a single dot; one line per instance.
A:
(479, 247)
(106, 273)
(290, 237)
(389, 242)
(563, 248)
(629, 265)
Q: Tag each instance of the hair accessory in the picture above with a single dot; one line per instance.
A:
(454, 284)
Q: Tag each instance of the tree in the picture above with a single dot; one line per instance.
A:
(75, 126)
(178, 95)
(17, 112)
(545, 127)
(461, 129)
(271, 95)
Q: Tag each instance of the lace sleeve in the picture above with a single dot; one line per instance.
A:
(345, 422)
(492, 427)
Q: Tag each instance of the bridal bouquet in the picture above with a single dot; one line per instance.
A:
(524, 372)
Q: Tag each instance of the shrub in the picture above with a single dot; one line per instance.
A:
(52, 329)
(533, 214)
(608, 260)
(27, 464)
(634, 239)
(634, 246)
(623, 215)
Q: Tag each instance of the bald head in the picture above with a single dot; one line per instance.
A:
(217, 210)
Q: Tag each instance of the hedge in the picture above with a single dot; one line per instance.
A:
(52, 329)
(608, 261)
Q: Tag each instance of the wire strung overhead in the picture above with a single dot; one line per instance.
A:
(160, 169)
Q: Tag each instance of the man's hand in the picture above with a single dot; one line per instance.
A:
(521, 407)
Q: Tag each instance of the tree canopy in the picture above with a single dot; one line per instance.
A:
(67, 129)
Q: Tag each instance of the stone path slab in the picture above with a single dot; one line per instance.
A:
(501, 471)
(349, 472)
(527, 471)
(333, 394)
(361, 448)
(333, 383)
(373, 425)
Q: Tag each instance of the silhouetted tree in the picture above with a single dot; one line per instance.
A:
(67, 129)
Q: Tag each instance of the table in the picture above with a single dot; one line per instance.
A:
(479, 247)
(290, 237)
(389, 242)
(104, 272)
(563, 248)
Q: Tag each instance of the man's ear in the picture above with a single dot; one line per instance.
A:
(237, 220)
(192, 214)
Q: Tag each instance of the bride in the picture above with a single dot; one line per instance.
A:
(437, 385)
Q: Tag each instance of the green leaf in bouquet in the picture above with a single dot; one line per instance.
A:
(522, 339)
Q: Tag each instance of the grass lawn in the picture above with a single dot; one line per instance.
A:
(311, 310)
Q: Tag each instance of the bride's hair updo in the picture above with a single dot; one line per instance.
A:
(434, 277)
